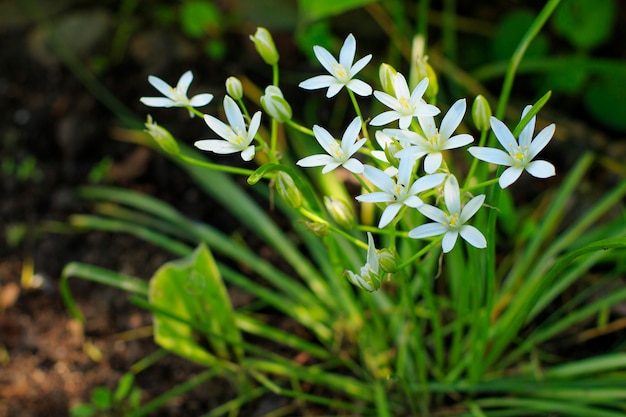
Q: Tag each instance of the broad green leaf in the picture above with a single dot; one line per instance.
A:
(199, 18)
(585, 23)
(510, 30)
(191, 303)
(605, 99)
(318, 9)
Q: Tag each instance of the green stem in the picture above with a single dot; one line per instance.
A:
(424, 250)
(300, 128)
(357, 109)
(216, 167)
(314, 217)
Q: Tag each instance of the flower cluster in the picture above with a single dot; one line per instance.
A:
(404, 172)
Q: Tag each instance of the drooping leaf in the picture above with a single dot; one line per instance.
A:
(191, 303)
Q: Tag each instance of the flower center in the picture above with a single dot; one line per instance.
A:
(452, 220)
(340, 72)
(519, 155)
(398, 192)
(337, 152)
(404, 103)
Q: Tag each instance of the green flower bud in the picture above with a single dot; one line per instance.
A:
(340, 211)
(387, 73)
(275, 104)
(481, 112)
(161, 136)
(234, 88)
(387, 260)
(264, 45)
(318, 229)
(425, 70)
(390, 152)
(287, 189)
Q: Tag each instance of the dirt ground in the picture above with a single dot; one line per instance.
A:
(54, 132)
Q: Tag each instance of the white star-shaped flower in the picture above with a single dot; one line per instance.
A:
(368, 277)
(451, 224)
(405, 105)
(175, 97)
(237, 137)
(397, 193)
(337, 154)
(436, 140)
(341, 73)
(518, 157)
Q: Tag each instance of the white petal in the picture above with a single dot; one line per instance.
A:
(325, 58)
(384, 118)
(347, 52)
(432, 162)
(453, 118)
(315, 160)
(378, 178)
(375, 197)
(317, 82)
(471, 208)
(248, 153)
(157, 102)
(427, 123)
(255, 122)
(509, 176)
(541, 169)
(458, 141)
(419, 90)
(330, 166)
(473, 236)
(222, 129)
(401, 87)
(360, 64)
(433, 213)
(449, 239)
(200, 100)
(351, 133)
(217, 146)
(163, 87)
(372, 257)
(388, 214)
(234, 115)
(427, 230)
(386, 99)
(405, 121)
(452, 195)
(413, 201)
(359, 87)
(541, 140)
(333, 89)
(491, 155)
(527, 133)
(351, 150)
(503, 134)
(426, 183)
(353, 165)
(324, 138)
(424, 109)
(184, 82)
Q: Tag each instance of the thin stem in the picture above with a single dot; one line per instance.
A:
(216, 167)
(424, 250)
(314, 217)
(300, 128)
(357, 109)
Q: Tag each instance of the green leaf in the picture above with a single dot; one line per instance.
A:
(604, 99)
(192, 302)
(511, 29)
(124, 386)
(585, 23)
(318, 9)
(83, 410)
(102, 398)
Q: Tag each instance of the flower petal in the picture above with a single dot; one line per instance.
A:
(427, 230)
(426, 183)
(375, 197)
(449, 240)
(386, 99)
(359, 87)
(330, 166)
(201, 100)
(163, 87)
(452, 119)
(509, 176)
(234, 115)
(541, 169)
(473, 236)
(317, 82)
(432, 162)
(353, 165)
(471, 208)
(503, 134)
(184, 82)
(255, 122)
(325, 58)
(324, 138)
(452, 195)
(360, 64)
(385, 117)
(347, 52)
(157, 102)
(248, 153)
(333, 89)
(378, 178)
(222, 129)
(491, 155)
(217, 146)
(388, 214)
(433, 213)
(315, 160)
(458, 141)
(541, 140)
(418, 91)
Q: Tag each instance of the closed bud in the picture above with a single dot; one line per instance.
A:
(387, 260)
(234, 88)
(275, 104)
(287, 189)
(481, 112)
(387, 74)
(161, 136)
(390, 152)
(340, 212)
(264, 45)
(319, 229)
(425, 70)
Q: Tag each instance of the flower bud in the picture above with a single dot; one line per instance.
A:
(367, 280)
(387, 260)
(275, 104)
(387, 74)
(287, 189)
(161, 136)
(264, 45)
(481, 112)
(340, 212)
(234, 88)
(319, 229)
(425, 70)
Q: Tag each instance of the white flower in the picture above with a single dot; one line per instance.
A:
(238, 138)
(175, 97)
(436, 140)
(520, 156)
(337, 154)
(342, 72)
(453, 222)
(397, 193)
(369, 276)
(404, 105)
